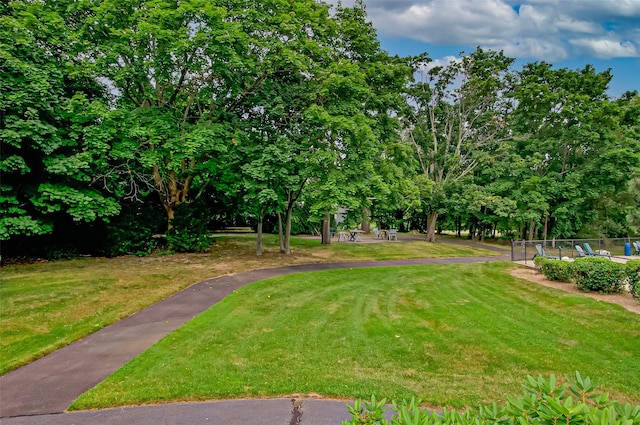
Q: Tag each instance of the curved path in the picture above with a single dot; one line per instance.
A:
(49, 385)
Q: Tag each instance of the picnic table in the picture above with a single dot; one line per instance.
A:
(354, 235)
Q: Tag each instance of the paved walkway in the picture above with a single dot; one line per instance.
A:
(41, 391)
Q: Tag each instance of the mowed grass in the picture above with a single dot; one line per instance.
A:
(453, 335)
(48, 305)
(386, 250)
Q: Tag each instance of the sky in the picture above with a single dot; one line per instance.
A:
(566, 33)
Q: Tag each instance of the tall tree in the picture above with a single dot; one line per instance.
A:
(359, 100)
(48, 103)
(319, 126)
(179, 69)
(573, 152)
(459, 118)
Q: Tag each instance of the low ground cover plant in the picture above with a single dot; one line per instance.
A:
(593, 274)
(543, 402)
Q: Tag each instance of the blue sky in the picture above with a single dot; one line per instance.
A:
(565, 33)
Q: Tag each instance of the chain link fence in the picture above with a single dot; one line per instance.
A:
(525, 250)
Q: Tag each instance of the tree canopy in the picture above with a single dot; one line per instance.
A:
(280, 114)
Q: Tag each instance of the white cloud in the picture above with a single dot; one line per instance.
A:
(446, 22)
(543, 49)
(440, 62)
(534, 29)
(606, 49)
(593, 9)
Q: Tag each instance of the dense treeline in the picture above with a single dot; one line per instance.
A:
(124, 119)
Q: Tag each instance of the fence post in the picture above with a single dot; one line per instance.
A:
(512, 241)
(524, 244)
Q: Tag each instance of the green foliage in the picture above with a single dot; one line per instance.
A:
(599, 275)
(189, 231)
(593, 274)
(48, 99)
(106, 102)
(555, 269)
(633, 273)
(544, 402)
(81, 205)
(447, 150)
(367, 412)
(133, 230)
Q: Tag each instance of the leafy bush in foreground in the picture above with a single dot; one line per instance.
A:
(555, 269)
(599, 275)
(633, 273)
(543, 402)
(189, 232)
(594, 274)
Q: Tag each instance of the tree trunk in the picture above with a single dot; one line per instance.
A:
(472, 228)
(280, 233)
(171, 214)
(531, 228)
(259, 239)
(287, 232)
(431, 227)
(546, 224)
(366, 226)
(326, 229)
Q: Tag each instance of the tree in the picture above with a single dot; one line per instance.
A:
(270, 157)
(573, 150)
(458, 120)
(355, 117)
(178, 72)
(49, 101)
(313, 136)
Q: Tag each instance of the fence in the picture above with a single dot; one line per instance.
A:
(526, 250)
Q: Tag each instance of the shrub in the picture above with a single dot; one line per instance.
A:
(599, 275)
(543, 402)
(189, 232)
(539, 261)
(633, 273)
(131, 232)
(556, 269)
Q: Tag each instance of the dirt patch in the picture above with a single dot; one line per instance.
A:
(625, 300)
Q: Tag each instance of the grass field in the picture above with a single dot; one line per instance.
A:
(452, 335)
(47, 305)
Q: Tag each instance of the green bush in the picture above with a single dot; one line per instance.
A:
(599, 275)
(633, 273)
(189, 232)
(555, 269)
(131, 232)
(543, 402)
(538, 261)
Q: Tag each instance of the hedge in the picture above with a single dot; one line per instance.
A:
(594, 274)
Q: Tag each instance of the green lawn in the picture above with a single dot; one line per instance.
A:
(453, 335)
(48, 305)
(349, 251)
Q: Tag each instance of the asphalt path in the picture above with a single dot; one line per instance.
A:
(40, 392)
